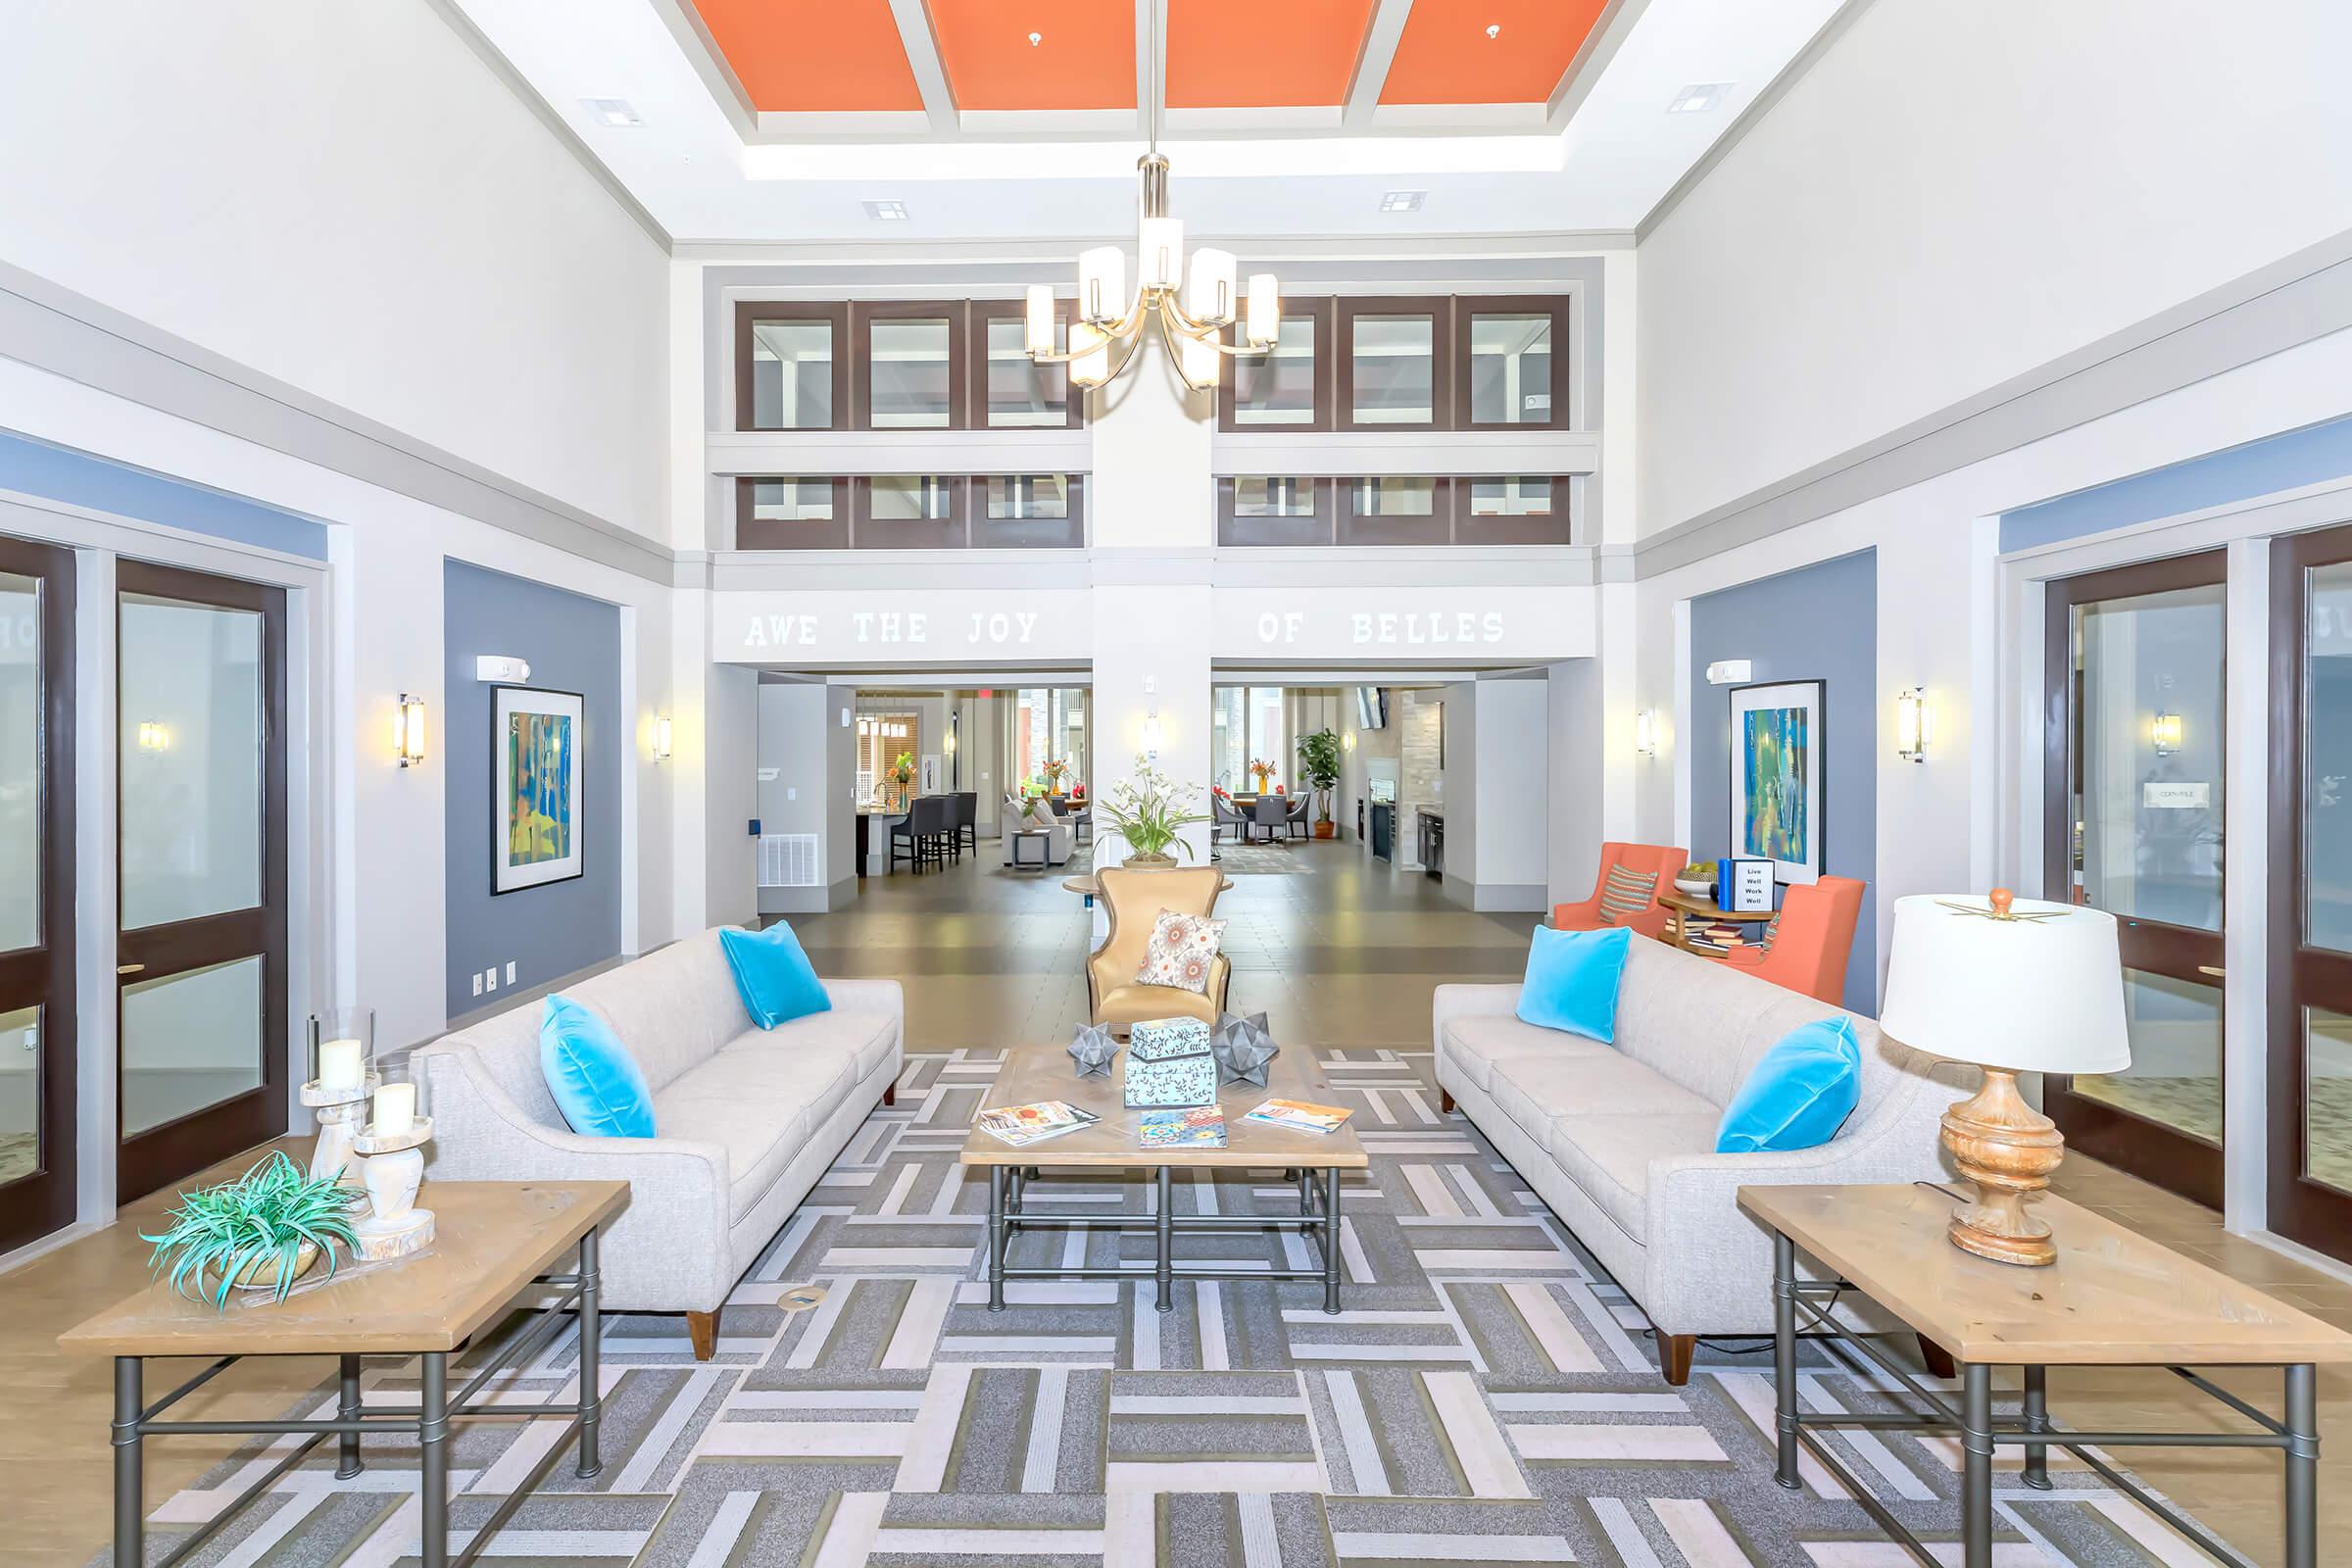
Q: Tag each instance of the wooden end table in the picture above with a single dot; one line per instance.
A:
(2113, 1298)
(1687, 908)
(1034, 1072)
(495, 1241)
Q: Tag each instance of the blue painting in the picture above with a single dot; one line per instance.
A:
(1777, 776)
(535, 788)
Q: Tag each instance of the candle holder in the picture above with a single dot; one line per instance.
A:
(341, 1102)
(395, 1170)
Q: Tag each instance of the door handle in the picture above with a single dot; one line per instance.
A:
(131, 968)
(2213, 969)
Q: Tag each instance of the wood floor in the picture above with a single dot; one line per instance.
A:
(1344, 955)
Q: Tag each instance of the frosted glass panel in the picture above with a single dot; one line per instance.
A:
(2328, 742)
(1394, 369)
(2327, 1098)
(1041, 495)
(905, 498)
(1510, 369)
(1278, 387)
(189, 1041)
(1256, 496)
(2174, 1079)
(908, 368)
(1021, 392)
(1395, 498)
(20, 762)
(792, 375)
(191, 759)
(1510, 497)
(20, 1094)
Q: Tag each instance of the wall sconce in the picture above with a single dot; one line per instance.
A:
(407, 730)
(1151, 732)
(950, 743)
(1348, 741)
(154, 737)
(1914, 724)
(661, 737)
(1646, 732)
(2165, 731)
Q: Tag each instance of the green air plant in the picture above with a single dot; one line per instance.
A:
(223, 1236)
(1319, 764)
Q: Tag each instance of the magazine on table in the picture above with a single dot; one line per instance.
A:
(1018, 1125)
(1299, 1115)
(1200, 1127)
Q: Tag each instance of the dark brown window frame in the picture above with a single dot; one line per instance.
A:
(749, 313)
(1372, 530)
(751, 532)
(1559, 520)
(1067, 532)
(1345, 310)
(951, 532)
(1561, 308)
(1314, 529)
(1321, 307)
(958, 314)
(984, 312)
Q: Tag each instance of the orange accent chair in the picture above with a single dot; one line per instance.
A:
(1816, 937)
(1664, 858)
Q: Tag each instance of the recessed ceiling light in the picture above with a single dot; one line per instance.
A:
(613, 112)
(1698, 97)
(887, 212)
(1493, 29)
(1402, 201)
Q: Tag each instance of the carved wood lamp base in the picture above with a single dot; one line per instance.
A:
(2008, 1150)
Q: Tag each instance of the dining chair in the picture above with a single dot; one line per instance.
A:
(1271, 812)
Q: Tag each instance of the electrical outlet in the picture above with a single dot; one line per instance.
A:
(509, 971)
(791, 793)
(493, 974)
(477, 983)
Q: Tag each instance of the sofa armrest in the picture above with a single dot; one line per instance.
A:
(869, 996)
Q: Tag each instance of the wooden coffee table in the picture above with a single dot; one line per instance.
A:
(1034, 1072)
(495, 1241)
(2113, 1298)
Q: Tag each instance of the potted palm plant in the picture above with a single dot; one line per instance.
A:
(262, 1232)
(1148, 812)
(1319, 766)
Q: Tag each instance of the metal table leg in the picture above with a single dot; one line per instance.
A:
(347, 1409)
(1784, 1355)
(432, 1447)
(1307, 1189)
(1975, 1487)
(2302, 1467)
(130, 1481)
(2038, 1419)
(1165, 1268)
(1331, 1241)
(592, 1331)
(995, 1238)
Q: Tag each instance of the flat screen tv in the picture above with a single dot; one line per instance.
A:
(1371, 708)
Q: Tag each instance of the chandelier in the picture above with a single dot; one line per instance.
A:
(1192, 311)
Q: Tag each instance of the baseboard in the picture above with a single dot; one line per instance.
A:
(804, 901)
(1496, 898)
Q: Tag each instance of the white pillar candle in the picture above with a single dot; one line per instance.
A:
(395, 1110)
(342, 1065)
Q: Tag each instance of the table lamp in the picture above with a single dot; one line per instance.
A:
(2014, 985)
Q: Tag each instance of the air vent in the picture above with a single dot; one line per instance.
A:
(789, 861)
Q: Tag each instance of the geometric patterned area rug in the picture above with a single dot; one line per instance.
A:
(1489, 1396)
(1278, 859)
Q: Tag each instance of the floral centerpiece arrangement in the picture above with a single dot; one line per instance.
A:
(1264, 770)
(902, 768)
(263, 1231)
(1055, 767)
(1148, 811)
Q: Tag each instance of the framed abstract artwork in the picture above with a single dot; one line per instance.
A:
(1777, 783)
(534, 788)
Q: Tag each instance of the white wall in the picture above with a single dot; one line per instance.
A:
(1955, 194)
(1513, 791)
(345, 198)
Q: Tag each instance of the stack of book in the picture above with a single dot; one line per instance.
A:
(1299, 1115)
(1719, 936)
(1018, 1125)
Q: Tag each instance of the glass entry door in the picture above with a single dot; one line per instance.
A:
(2310, 890)
(2132, 825)
(38, 1151)
(201, 957)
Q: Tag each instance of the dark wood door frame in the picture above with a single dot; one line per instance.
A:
(43, 975)
(2299, 975)
(164, 1154)
(2171, 1159)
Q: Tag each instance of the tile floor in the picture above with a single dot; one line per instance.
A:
(1344, 956)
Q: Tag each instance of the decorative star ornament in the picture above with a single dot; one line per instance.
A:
(1244, 1047)
(1093, 1048)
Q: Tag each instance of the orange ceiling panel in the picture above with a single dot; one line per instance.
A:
(814, 56)
(1445, 56)
(1253, 54)
(1083, 57)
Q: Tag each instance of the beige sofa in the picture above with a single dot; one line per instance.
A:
(746, 1121)
(1619, 1140)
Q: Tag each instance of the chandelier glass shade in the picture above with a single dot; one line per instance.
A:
(1192, 312)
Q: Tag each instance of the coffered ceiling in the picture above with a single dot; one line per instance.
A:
(794, 119)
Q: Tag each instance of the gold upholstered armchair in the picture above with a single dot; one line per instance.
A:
(1133, 901)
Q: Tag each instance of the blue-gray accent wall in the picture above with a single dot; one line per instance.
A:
(57, 474)
(2309, 456)
(1818, 622)
(573, 644)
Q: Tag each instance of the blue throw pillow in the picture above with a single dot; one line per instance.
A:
(596, 1083)
(1799, 1094)
(1572, 979)
(778, 982)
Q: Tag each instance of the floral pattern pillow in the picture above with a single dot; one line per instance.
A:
(1180, 950)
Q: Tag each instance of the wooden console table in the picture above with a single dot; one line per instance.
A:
(495, 1241)
(2113, 1298)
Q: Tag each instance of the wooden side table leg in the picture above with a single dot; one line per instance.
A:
(432, 1448)
(1783, 1355)
(130, 1481)
(2038, 1419)
(347, 1409)
(1975, 1485)
(592, 1337)
(2302, 1467)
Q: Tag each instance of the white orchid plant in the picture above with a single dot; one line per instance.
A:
(1147, 810)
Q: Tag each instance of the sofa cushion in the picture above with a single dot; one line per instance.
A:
(596, 1084)
(1534, 1091)
(1626, 893)
(1572, 981)
(762, 1097)
(1476, 1042)
(773, 976)
(1799, 1094)
(1180, 950)
(1705, 1025)
(1608, 1156)
(676, 1006)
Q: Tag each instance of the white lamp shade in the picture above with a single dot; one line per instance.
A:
(1160, 264)
(1209, 295)
(1102, 283)
(2035, 995)
(1264, 323)
(1197, 363)
(1036, 329)
(1090, 348)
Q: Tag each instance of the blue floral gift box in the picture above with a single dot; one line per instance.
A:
(1169, 1063)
